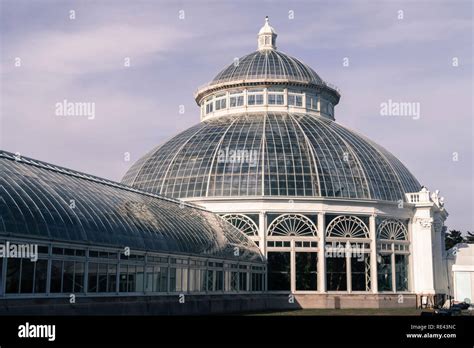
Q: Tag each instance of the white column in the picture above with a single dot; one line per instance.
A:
(262, 232)
(321, 253)
(422, 253)
(439, 268)
(410, 256)
(348, 255)
(394, 275)
(373, 254)
(292, 267)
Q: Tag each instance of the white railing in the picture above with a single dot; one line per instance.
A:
(419, 197)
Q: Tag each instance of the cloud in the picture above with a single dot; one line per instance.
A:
(100, 49)
(369, 24)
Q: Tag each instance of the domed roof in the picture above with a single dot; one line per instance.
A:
(268, 65)
(271, 154)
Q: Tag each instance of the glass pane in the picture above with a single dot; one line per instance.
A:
(384, 272)
(234, 281)
(219, 286)
(123, 278)
(360, 272)
(41, 273)
(79, 277)
(210, 280)
(1, 276)
(92, 279)
(103, 277)
(56, 275)
(279, 277)
(336, 274)
(179, 279)
(27, 271)
(243, 281)
(140, 279)
(68, 276)
(401, 272)
(306, 271)
(164, 279)
(131, 278)
(13, 276)
(173, 279)
(112, 278)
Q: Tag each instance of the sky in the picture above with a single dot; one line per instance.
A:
(405, 51)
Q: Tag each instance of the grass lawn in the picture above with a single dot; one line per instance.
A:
(356, 311)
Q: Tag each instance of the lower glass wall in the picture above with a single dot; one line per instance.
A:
(392, 272)
(25, 276)
(67, 270)
(156, 278)
(67, 276)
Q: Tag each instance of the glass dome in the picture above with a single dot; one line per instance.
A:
(271, 154)
(268, 65)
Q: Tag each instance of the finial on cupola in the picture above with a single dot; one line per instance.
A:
(267, 37)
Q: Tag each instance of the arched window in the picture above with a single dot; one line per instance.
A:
(392, 230)
(347, 227)
(292, 246)
(347, 254)
(243, 223)
(392, 255)
(292, 225)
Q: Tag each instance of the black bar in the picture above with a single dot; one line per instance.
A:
(242, 330)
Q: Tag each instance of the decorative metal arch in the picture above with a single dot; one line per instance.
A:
(347, 227)
(292, 225)
(392, 229)
(243, 223)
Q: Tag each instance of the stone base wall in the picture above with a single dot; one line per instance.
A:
(146, 305)
(196, 305)
(334, 301)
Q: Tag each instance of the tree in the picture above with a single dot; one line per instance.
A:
(452, 238)
(470, 237)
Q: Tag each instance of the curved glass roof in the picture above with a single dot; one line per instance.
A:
(36, 203)
(268, 64)
(287, 155)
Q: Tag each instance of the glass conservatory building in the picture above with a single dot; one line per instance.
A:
(63, 232)
(333, 212)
